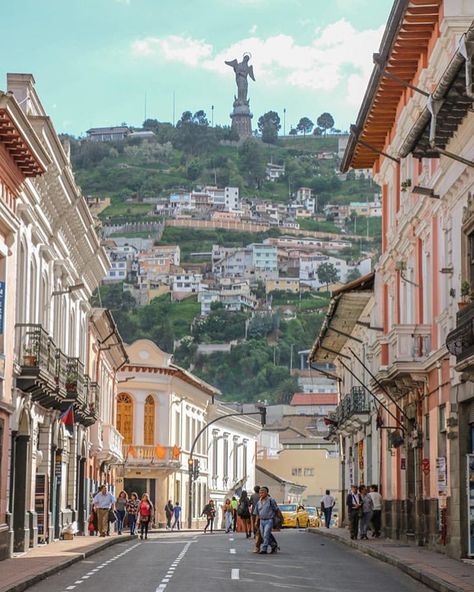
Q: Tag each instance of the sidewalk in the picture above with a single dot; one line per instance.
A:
(436, 570)
(25, 570)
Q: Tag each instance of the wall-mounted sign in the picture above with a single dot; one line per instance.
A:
(425, 466)
(403, 464)
(441, 476)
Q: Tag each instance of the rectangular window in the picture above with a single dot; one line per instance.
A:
(309, 472)
(226, 460)
(215, 468)
(235, 461)
(177, 428)
(442, 418)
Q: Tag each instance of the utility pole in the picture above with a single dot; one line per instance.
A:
(291, 354)
(193, 466)
(212, 115)
(284, 121)
(174, 108)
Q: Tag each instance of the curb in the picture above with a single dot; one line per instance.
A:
(34, 579)
(421, 576)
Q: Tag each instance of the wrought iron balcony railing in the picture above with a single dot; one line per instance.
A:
(76, 382)
(460, 342)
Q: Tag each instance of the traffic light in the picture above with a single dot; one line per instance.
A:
(263, 415)
(190, 466)
(196, 469)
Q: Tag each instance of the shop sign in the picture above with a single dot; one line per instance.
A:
(425, 466)
(441, 476)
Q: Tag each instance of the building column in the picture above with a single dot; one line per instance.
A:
(21, 528)
(161, 497)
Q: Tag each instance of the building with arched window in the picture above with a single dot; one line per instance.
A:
(160, 410)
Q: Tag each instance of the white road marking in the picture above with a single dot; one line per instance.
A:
(174, 565)
(234, 574)
(78, 582)
(232, 551)
(231, 538)
(70, 587)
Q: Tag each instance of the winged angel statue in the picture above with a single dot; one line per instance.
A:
(242, 71)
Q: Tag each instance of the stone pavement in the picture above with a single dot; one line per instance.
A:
(436, 570)
(26, 569)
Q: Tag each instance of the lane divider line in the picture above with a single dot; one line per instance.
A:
(164, 582)
(234, 574)
(232, 551)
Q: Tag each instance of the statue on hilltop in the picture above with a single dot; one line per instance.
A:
(242, 71)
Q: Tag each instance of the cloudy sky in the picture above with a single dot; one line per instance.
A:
(94, 61)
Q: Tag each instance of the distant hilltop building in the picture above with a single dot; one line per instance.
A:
(107, 134)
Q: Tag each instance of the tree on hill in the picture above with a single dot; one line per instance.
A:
(305, 125)
(327, 274)
(193, 134)
(269, 126)
(325, 121)
(252, 163)
(317, 131)
(353, 275)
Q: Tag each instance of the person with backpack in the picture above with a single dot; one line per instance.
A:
(243, 511)
(270, 517)
(169, 512)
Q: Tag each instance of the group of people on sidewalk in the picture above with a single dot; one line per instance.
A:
(125, 511)
(364, 508)
(259, 515)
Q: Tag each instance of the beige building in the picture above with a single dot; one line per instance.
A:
(160, 410)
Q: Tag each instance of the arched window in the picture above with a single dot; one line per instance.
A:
(149, 422)
(125, 417)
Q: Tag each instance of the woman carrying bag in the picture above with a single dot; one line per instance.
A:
(145, 515)
(132, 511)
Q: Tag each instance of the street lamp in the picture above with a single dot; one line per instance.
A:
(68, 290)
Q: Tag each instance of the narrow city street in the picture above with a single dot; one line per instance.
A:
(211, 563)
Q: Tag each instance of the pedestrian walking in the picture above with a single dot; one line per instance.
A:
(177, 517)
(366, 514)
(145, 515)
(209, 512)
(354, 504)
(377, 510)
(227, 511)
(103, 503)
(327, 504)
(120, 509)
(267, 511)
(132, 512)
(234, 504)
(243, 511)
(253, 509)
(169, 512)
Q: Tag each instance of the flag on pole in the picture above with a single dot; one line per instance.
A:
(67, 417)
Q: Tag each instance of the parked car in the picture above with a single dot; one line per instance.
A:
(294, 516)
(314, 518)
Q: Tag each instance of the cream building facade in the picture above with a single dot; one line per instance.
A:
(160, 410)
(59, 264)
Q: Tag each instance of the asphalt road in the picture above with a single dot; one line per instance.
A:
(191, 562)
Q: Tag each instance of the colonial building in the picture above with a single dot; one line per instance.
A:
(415, 129)
(59, 263)
(21, 157)
(160, 410)
(232, 452)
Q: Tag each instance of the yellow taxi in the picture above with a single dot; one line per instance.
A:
(314, 519)
(294, 516)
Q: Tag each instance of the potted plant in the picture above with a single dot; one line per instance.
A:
(466, 294)
(405, 184)
(30, 350)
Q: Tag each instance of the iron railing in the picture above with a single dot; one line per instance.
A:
(76, 382)
(460, 341)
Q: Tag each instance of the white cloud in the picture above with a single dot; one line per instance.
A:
(338, 57)
(253, 29)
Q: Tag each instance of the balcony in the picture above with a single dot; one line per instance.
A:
(352, 413)
(38, 365)
(112, 439)
(460, 341)
(408, 349)
(76, 382)
(152, 457)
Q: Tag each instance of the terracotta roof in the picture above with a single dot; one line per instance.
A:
(314, 399)
(404, 49)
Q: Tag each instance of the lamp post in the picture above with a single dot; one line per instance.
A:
(193, 464)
